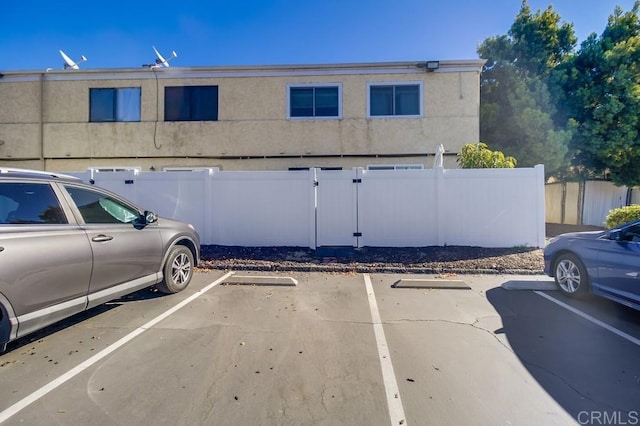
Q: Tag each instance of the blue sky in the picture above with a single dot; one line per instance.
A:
(119, 34)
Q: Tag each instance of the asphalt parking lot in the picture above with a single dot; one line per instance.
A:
(332, 349)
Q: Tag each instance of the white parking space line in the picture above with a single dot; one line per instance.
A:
(589, 318)
(396, 411)
(30, 399)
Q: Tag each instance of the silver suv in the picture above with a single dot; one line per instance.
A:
(66, 247)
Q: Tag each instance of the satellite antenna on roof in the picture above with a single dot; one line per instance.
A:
(162, 61)
(68, 63)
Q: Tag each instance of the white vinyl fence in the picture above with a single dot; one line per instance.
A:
(317, 208)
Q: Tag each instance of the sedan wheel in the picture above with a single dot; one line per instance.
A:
(571, 275)
(178, 270)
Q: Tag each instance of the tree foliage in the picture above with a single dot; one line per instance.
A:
(516, 109)
(576, 111)
(479, 156)
(600, 87)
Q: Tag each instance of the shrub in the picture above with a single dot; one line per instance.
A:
(479, 156)
(617, 217)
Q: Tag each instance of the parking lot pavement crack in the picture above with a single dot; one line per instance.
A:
(583, 396)
(474, 325)
(529, 364)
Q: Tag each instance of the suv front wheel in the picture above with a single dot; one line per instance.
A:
(178, 270)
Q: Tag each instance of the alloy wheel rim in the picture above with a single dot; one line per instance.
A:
(180, 269)
(568, 276)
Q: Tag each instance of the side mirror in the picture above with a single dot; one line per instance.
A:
(145, 219)
(615, 235)
(150, 217)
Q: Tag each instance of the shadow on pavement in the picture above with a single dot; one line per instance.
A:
(144, 294)
(585, 368)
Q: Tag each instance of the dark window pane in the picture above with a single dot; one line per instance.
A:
(176, 104)
(204, 103)
(326, 101)
(191, 103)
(301, 100)
(101, 105)
(407, 100)
(25, 203)
(381, 99)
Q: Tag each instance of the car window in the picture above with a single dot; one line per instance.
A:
(29, 203)
(632, 233)
(96, 207)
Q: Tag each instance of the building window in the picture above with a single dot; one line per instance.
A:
(190, 169)
(315, 101)
(396, 167)
(191, 103)
(302, 168)
(395, 99)
(116, 169)
(115, 104)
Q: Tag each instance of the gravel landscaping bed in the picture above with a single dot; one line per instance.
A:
(450, 259)
(437, 260)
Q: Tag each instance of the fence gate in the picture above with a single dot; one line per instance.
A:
(337, 207)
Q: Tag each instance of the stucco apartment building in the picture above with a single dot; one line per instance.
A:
(392, 114)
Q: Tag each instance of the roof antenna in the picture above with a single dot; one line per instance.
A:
(160, 60)
(68, 63)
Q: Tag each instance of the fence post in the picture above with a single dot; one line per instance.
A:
(208, 206)
(540, 205)
(313, 211)
(440, 206)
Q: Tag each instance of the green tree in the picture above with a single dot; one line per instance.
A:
(600, 88)
(516, 107)
(479, 156)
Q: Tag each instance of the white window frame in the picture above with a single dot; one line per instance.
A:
(189, 169)
(395, 167)
(419, 83)
(136, 169)
(307, 85)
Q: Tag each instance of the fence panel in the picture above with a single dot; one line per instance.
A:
(120, 182)
(572, 204)
(337, 216)
(182, 194)
(493, 207)
(263, 208)
(601, 197)
(398, 208)
(553, 200)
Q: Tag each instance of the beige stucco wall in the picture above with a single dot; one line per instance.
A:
(251, 122)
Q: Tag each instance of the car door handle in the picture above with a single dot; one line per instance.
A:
(101, 238)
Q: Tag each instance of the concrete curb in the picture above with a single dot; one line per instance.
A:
(443, 284)
(530, 285)
(260, 280)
